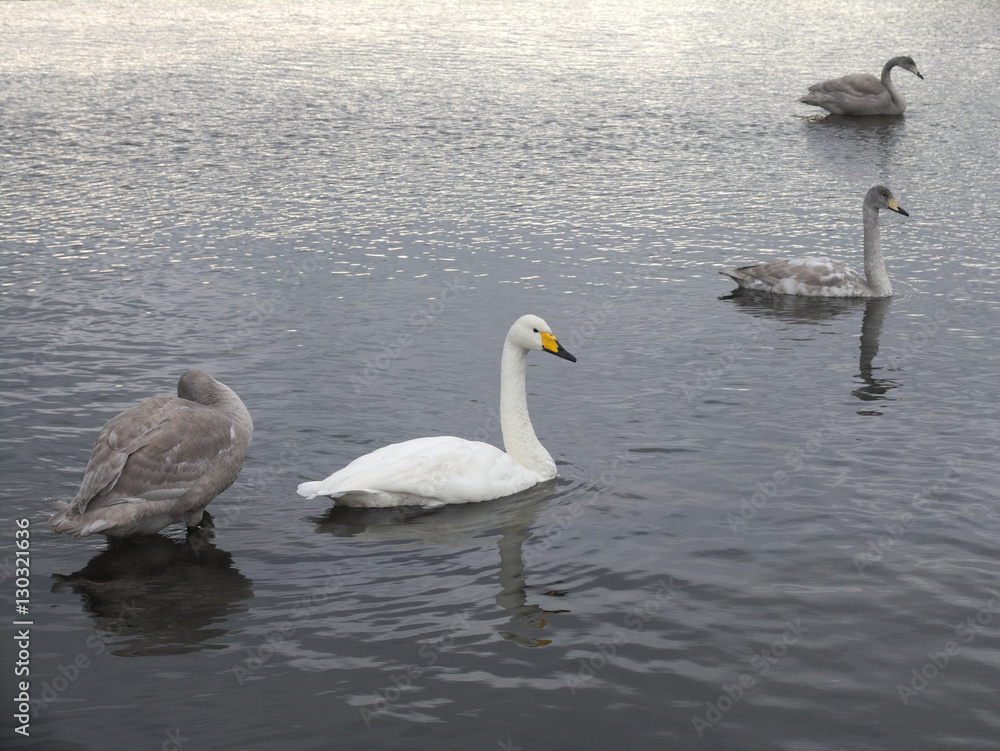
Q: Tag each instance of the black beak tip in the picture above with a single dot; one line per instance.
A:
(563, 353)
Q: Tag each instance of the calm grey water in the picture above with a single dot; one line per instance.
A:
(776, 524)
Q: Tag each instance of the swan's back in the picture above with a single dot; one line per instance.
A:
(856, 84)
(160, 462)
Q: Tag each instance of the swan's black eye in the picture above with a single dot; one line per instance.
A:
(535, 330)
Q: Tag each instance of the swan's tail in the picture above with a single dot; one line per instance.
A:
(310, 489)
(738, 275)
(66, 521)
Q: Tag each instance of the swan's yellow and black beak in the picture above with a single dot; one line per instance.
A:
(551, 344)
(896, 207)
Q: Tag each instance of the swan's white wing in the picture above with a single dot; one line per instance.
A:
(425, 471)
(820, 277)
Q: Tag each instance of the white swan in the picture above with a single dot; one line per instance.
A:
(160, 462)
(822, 277)
(445, 469)
(861, 93)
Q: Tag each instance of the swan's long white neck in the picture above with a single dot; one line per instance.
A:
(897, 98)
(875, 273)
(519, 439)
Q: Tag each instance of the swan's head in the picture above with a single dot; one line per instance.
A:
(907, 63)
(880, 197)
(198, 386)
(531, 332)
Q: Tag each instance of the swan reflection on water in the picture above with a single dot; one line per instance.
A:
(154, 595)
(509, 519)
(812, 311)
(873, 389)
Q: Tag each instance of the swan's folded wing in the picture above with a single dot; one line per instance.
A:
(446, 468)
(154, 451)
(852, 95)
(120, 436)
(798, 276)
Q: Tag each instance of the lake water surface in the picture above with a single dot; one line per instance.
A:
(777, 521)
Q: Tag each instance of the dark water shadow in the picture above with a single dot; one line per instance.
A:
(796, 309)
(510, 518)
(152, 595)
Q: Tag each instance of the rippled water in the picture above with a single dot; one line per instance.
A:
(776, 522)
